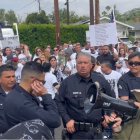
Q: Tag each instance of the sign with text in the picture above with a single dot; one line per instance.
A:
(11, 42)
(103, 34)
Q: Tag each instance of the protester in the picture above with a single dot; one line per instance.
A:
(51, 82)
(55, 68)
(7, 83)
(86, 48)
(43, 58)
(106, 56)
(22, 103)
(38, 60)
(111, 76)
(38, 52)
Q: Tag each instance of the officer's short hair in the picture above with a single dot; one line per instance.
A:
(6, 67)
(31, 69)
(83, 54)
(135, 54)
(107, 63)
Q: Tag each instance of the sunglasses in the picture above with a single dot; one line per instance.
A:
(134, 63)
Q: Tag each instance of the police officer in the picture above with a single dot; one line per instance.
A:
(7, 82)
(71, 98)
(130, 82)
(22, 103)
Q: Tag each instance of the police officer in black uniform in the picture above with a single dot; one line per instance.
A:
(22, 103)
(7, 82)
(72, 94)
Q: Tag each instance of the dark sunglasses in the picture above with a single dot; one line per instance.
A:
(134, 63)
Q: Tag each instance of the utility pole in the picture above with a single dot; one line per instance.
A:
(39, 8)
(57, 22)
(97, 13)
(68, 16)
(91, 5)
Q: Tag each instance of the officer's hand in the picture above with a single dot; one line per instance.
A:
(38, 88)
(70, 126)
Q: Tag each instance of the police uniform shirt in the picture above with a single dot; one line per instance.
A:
(127, 84)
(3, 122)
(22, 106)
(72, 94)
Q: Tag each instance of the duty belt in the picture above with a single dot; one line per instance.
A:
(82, 126)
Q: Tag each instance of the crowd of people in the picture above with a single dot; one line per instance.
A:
(53, 82)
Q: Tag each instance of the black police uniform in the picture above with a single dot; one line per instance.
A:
(3, 122)
(22, 106)
(72, 94)
(127, 84)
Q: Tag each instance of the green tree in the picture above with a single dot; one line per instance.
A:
(8, 16)
(73, 17)
(37, 18)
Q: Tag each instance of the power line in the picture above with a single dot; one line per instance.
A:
(27, 5)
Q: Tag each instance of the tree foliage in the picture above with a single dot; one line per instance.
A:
(8, 17)
(37, 18)
(73, 17)
(127, 17)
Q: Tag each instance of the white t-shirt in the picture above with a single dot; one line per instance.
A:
(73, 66)
(113, 79)
(122, 70)
(18, 72)
(86, 51)
(50, 80)
(73, 56)
(95, 55)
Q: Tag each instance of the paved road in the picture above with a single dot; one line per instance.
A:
(58, 132)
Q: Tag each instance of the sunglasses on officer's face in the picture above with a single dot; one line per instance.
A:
(134, 63)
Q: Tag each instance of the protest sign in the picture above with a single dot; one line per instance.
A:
(103, 34)
(11, 42)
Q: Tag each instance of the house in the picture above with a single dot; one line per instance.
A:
(136, 31)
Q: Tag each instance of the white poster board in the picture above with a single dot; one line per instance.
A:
(103, 34)
(11, 42)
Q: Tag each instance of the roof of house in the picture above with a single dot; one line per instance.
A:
(136, 26)
(102, 18)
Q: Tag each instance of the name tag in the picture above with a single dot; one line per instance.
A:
(77, 93)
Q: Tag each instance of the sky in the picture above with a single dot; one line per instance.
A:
(81, 7)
